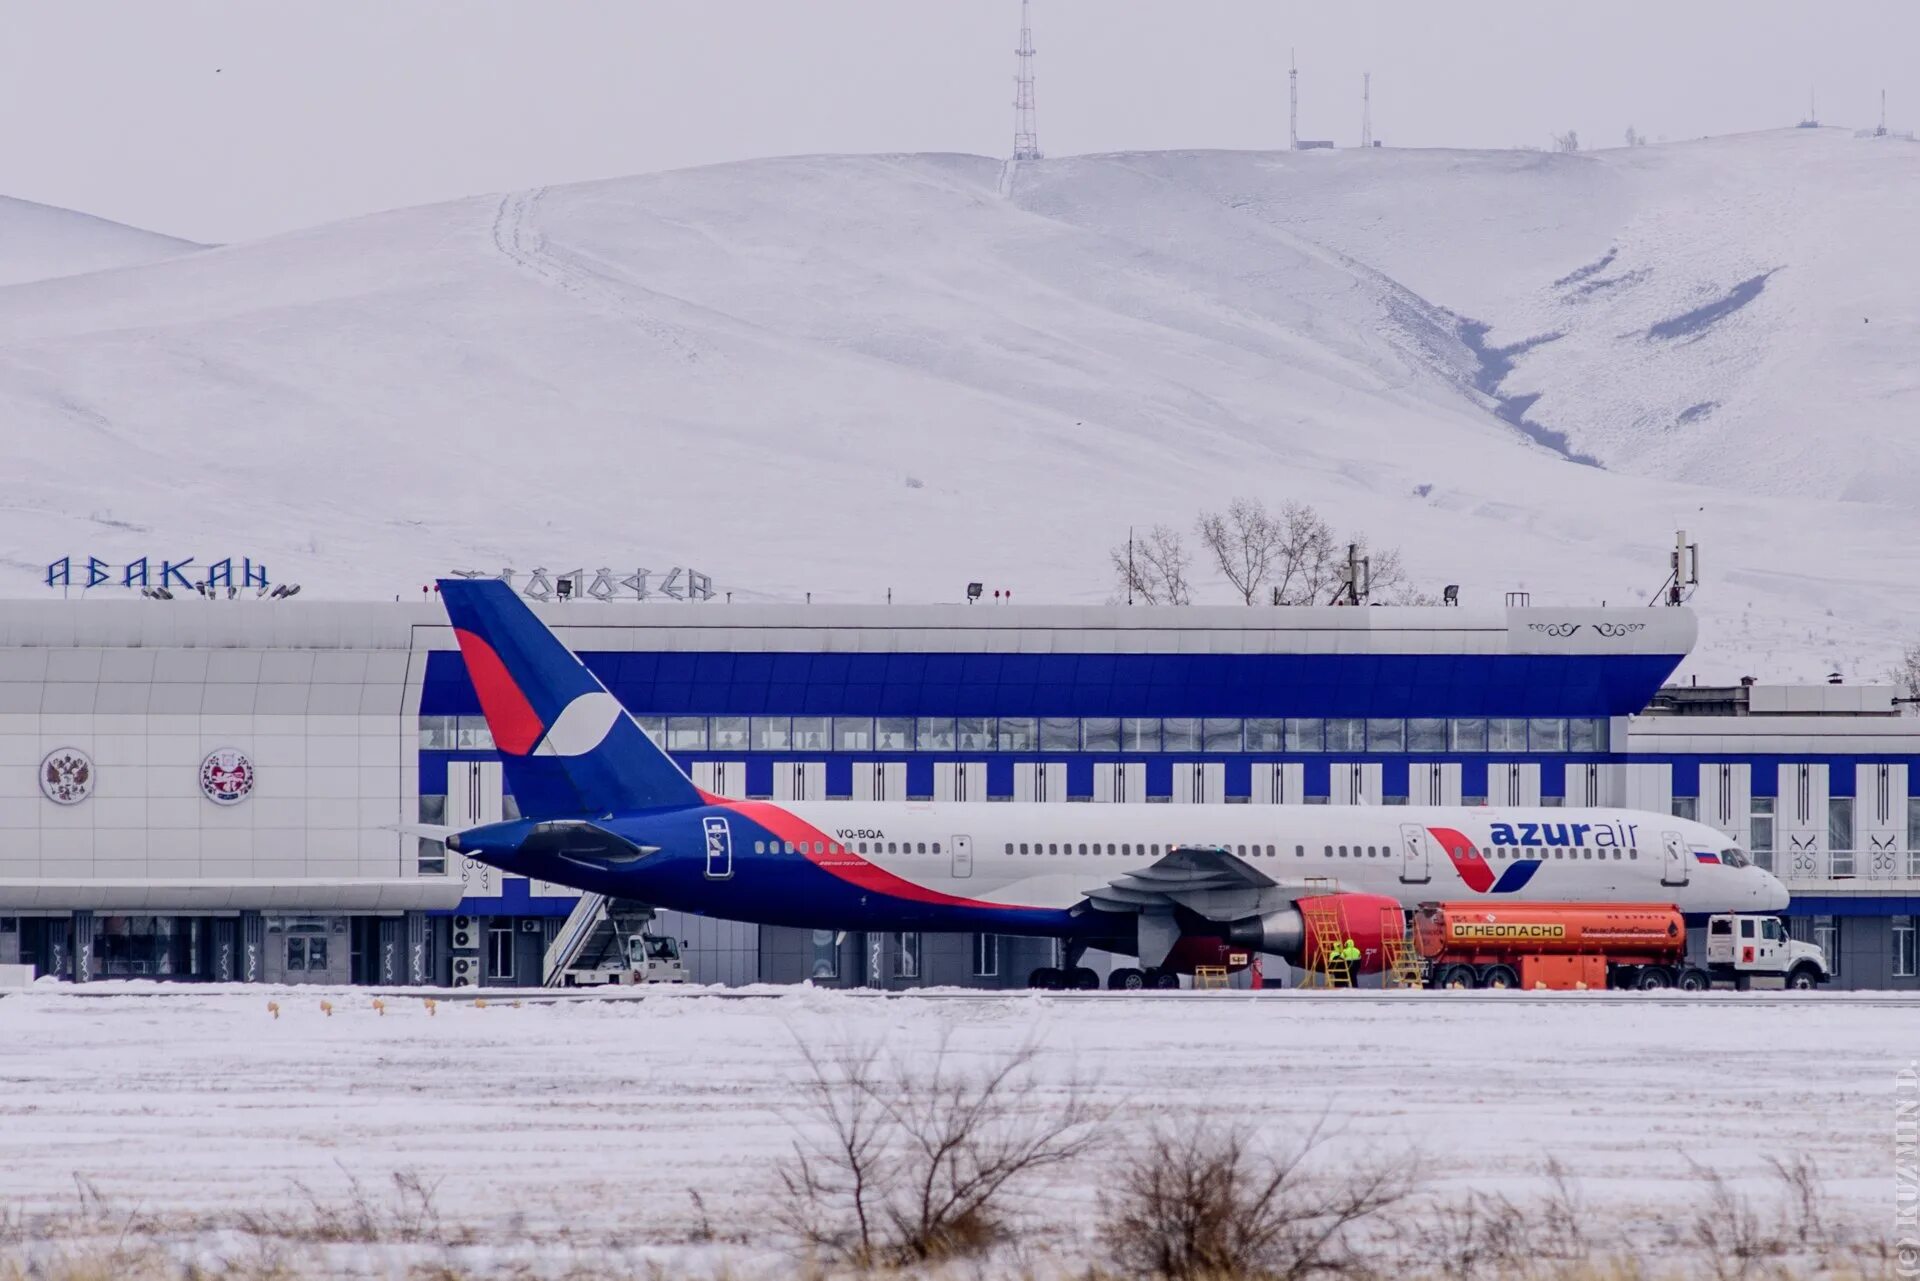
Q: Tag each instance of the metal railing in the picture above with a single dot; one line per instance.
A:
(572, 936)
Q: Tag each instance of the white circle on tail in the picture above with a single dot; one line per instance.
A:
(582, 725)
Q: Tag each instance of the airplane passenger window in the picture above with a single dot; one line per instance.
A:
(1112, 848)
(819, 847)
(1329, 853)
(1343, 851)
(1616, 856)
(1299, 851)
(788, 845)
(1023, 847)
(936, 847)
(759, 847)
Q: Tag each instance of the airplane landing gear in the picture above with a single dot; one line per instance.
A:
(1047, 979)
(1127, 979)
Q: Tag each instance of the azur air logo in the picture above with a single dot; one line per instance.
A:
(1475, 871)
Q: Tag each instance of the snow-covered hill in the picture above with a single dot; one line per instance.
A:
(39, 241)
(848, 374)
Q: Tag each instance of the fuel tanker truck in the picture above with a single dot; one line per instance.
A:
(1600, 945)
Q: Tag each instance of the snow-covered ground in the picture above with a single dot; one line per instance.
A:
(604, 1115)
(39, 242)
(849, 374)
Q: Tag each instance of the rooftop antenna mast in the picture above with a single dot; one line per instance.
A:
(1026, 142)
(1366, 108)
(1881, 132)
(1293, 103)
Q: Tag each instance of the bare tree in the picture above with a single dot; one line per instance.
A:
(1244, 541)
(1305, 563)
(1154, 569)
(1906, 675)
(1568, 142)
(1204, 1202)
(912, 1160)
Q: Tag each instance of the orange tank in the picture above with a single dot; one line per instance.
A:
(1646, 931)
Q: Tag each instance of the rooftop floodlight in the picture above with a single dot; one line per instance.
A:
(161, 593)
(973, 591)
(294, 590)
(1450, 594)
(232, 592)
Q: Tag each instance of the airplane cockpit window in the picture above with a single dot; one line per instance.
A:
(1733, 856)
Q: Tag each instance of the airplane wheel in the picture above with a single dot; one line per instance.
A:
(1082, 979)
(1163, 980)
(1654, 978)
(1500, 977)
(1126, 979)
(1047, 979)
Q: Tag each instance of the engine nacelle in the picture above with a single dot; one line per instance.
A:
(1286, 934)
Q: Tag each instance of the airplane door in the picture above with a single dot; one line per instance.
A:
(1415, 864)
(962, 855)
(1674, 870)
(719, 849)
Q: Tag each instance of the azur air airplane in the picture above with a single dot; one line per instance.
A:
(605, 810)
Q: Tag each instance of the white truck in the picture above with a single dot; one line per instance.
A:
(1741, 948)
(650, 958)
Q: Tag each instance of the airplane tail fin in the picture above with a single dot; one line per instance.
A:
(570, 750)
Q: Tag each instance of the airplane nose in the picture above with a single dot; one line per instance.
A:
(1772, 893)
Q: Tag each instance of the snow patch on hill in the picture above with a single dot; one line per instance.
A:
(841, 375)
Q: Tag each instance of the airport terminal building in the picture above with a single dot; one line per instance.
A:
(214, 789)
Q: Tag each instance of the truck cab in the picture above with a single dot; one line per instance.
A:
(1742, 946)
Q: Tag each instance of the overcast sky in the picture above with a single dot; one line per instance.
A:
(220, 120)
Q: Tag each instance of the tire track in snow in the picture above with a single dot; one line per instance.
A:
(518, 237)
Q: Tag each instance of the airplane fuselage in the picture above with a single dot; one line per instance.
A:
(1029, 869)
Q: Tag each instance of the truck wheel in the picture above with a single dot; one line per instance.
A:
(1047, 979)
(1743, 982)
(1499, 977)
(1456, 976)
(1803, 979)
(1082, 979)
(1654, 978)
(1126, 979)
(1693, 980)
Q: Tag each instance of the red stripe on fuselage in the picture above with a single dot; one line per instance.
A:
(516, 726)
(1466, 858)
(844, 863)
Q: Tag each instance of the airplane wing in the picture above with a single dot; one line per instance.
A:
(1209, 882)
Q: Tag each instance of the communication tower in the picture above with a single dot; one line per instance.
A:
(1293, 103)
(1366, 108)
(1026, 142)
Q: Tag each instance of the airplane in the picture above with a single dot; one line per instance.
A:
(605, 810)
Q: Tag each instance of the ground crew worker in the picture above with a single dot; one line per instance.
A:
(1350, 954)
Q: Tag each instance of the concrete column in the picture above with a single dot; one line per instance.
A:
(226, 949)
(416, 944)
(391, 965)
(253, 947)
(83, 947)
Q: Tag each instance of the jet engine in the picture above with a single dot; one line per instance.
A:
(1288, 933)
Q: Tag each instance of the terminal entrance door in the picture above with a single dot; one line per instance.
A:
(1674, 870)
(962, 855)
(1416, 862)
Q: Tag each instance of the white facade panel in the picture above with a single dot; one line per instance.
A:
(1513, 783)
(1199, 782)
(1354, 783)
(1433, 784)
(1278, 783)
(1801, 840)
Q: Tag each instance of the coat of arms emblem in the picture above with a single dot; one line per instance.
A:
(226, 776)
(67, 776)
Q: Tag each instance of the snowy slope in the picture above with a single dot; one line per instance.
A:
(844, 374)
(39, 241)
